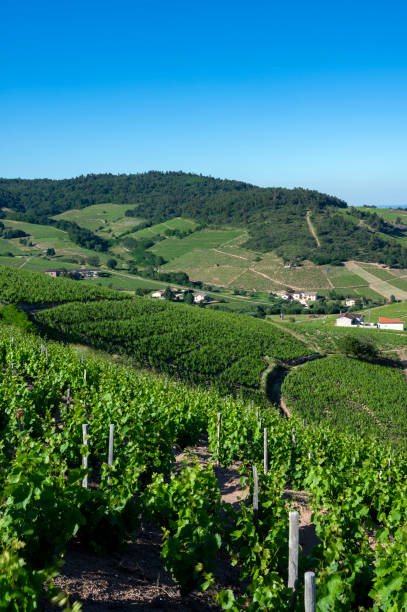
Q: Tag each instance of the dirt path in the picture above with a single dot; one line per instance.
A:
(379, 285)
(231, 254)
(312, 229)
(228, 478)
(330, 283)
(25, 262)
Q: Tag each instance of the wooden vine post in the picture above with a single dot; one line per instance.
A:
(85, 457)
(266, 451)
(255, 495)
(310, 600)
(111, 439)
(219, 434)
(293, 546)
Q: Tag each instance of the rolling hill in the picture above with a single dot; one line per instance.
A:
(223, 233)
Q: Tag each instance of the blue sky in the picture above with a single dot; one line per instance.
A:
(275, 93)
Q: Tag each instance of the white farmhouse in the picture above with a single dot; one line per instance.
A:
(158, 294)
(199, 297)
(285, 295)
(350, 302)
(390, 324)
(309, 296)
(347, 319)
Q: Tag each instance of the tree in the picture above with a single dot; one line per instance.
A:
(392, 299)
(111, 263)
(168, 294)
(358, 348)
(189, 298)
(50, 252)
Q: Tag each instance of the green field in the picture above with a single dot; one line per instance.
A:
(13, 262)
(390, 214)
(366, 292)
(170, 248)
(378, 271)
(160, 228)
(9, 246)
(107, 220)
(398, 310)
(400, 283)
(44, 237)
(339, 277)
(125, 282)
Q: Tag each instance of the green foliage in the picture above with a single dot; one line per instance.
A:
(360, 348)
(37, 507)
(22, 286)
(189, 509)
(356, 486)
(11, 315)
(82, 236)
(111, 263)
(197, 344)
(355, 396)
(20, 586)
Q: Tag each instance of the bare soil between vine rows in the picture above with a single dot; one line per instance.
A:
(135, 578)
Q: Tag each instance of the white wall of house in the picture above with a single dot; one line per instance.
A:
(343, 322)
(398, 326)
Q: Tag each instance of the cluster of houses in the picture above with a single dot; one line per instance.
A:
(178, 294)
(310, 296)
(347, 319)
(80, 273)
(300, 296)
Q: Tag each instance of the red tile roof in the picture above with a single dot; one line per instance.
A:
(384, 320)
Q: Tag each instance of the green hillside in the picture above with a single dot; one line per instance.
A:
(294, 223)
(198, 345)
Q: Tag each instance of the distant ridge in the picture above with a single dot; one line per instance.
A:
(275, 217)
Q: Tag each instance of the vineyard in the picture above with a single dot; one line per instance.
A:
(361, 398)
(198, 345)
(87, 455)
(22, 286)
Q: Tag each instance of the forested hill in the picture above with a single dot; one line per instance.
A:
(286, 221)
(158, 195)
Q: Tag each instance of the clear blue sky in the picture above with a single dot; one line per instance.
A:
(272, 92)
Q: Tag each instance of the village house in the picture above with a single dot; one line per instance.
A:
(385, 323)
(346, 319)
(158, 294)
(284, 295)
(53, 272)
(200, 297)
(309, 296)
(350, 302)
